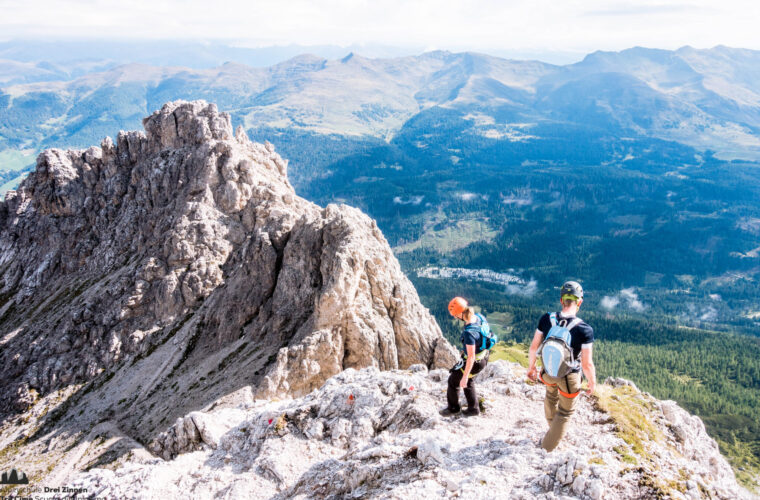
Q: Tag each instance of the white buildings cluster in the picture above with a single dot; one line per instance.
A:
(470, 274)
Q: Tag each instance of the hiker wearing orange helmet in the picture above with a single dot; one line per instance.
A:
(476, 342)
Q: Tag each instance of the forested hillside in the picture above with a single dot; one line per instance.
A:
(681, 226)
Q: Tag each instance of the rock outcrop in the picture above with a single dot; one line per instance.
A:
(371, 434)
(147, 278)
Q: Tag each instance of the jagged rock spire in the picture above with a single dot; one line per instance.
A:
(186, 240)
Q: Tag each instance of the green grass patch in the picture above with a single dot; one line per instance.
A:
(632, 413)
(12, 184)
(14, 167)
(742, 456)
(15, 160)
(625, 456)
(686, 379)
(501, 323)
(454, 236)
(514, 353)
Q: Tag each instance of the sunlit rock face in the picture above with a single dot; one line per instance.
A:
(176, 265)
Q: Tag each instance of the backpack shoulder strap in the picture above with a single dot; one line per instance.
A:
(574, 323)
(553, 318)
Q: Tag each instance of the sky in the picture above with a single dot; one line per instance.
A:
(494, 26)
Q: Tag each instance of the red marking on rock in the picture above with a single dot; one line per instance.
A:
(270, 421)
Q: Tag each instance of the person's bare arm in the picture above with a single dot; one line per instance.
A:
(538, 336)
(587, 364)
(468, 365)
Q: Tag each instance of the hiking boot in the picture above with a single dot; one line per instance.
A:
(448, 412)
(471, 412)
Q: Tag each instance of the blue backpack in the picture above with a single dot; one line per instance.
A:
(487, 337)
(556, 352)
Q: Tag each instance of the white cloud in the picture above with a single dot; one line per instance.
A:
(526, 290)
(573, 26)
(709, 314)
(609, 303)
(412, 200)
(626, 297)
(471, 196)
(520, 199)
(632, 299)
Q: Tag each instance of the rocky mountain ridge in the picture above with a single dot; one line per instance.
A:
(177, 321)
(371, 434)
(151, 276)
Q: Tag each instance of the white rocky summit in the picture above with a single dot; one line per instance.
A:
(373, 434)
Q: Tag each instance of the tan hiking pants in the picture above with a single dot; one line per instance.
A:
(558, 408)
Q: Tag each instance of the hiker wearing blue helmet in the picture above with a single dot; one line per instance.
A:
(563, 342)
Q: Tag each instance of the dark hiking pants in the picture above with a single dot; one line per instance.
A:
(452, 394)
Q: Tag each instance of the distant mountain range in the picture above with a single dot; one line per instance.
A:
(706, 99)
(450, 152)
(466, 160)
(29, 61)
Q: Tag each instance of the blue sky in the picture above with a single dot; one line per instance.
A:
(567, 26)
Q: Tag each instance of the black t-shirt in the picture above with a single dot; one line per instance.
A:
(471, 336)
(581, 333)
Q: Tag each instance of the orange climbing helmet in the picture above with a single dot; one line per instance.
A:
(457, 307)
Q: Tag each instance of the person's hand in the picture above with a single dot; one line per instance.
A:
(463, 382)
(533, 374)
(591, 387)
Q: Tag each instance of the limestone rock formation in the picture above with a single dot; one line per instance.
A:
(146, 278)
(370, 434)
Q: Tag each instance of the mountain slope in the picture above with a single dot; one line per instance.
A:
(143, 279)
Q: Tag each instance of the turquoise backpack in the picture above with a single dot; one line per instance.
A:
(487, 337)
